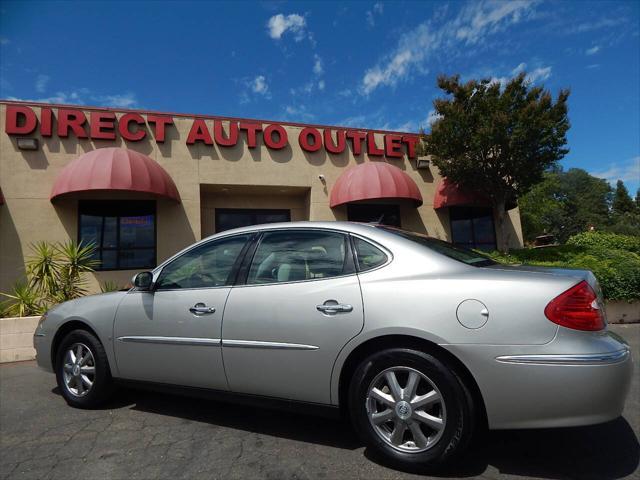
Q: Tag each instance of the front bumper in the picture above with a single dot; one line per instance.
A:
(525, 388)
(42, 344)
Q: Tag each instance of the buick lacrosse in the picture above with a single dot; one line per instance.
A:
(416, 340)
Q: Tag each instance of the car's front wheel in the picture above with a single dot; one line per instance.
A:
(82, 370)
(411, 408)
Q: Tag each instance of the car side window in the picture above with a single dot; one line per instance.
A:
(368, 256)
(208, 265)
(289, 256)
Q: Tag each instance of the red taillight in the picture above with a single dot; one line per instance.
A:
(576, 308)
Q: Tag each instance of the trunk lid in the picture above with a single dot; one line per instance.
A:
(578, 274)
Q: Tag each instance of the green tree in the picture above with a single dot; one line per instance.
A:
(622, 202)
(497, 141)
(565, 203)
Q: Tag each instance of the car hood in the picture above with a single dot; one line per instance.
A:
(108, 298)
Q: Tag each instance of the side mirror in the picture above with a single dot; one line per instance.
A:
(143, 281)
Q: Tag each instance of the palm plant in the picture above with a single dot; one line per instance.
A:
(23, 301)
(54, 275)
(43, 268)
(77, 259)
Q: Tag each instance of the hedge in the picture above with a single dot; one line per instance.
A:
(617, 269)
(606, 240)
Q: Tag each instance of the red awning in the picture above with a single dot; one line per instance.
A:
(449, 194)
(114, 169)
(374, 181)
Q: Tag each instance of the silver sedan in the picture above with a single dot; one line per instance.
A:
(417, 341)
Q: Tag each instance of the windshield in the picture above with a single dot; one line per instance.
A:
(460, 254)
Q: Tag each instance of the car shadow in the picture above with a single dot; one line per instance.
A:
(607, 451)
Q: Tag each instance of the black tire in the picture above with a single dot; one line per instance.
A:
(456, 399)
(102, 384)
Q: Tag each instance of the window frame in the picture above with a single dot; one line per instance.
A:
(476, 245)
(233, 274)
(251, 211)
(380, 247)
(121, 206)
(353, 207)
(349, 267)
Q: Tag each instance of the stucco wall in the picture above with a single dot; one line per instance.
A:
(26, 179)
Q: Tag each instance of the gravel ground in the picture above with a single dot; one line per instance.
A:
(150, 435)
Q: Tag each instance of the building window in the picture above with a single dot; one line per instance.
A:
(228, 218)
(124, 233)
(473, 227)
(374, 213)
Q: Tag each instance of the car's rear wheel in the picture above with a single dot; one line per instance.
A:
(82, 370)
(411, 408)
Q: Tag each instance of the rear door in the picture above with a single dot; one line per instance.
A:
(300, 305)
(172, 334)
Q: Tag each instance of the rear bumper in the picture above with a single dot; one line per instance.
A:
(571, 359)
(545, 390)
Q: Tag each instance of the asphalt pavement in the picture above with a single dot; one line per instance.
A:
(151, 435)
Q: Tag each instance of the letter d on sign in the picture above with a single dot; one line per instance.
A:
(20, 120)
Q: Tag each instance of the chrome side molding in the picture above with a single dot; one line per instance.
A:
(270, 345)
(569, 359)
(214, 342)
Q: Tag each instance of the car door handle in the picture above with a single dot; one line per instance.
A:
(201, 309)
(331, 308)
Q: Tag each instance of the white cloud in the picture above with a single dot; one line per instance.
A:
(4, 41)
(318, 67)
(537, 74)
(540, 73)
(126, 100)
(593, 50)
(321, 85)
(259, 85)
(597, 25)
(279, 24)
(41, 83)
(470, 27)
(298, 113)
(432, 117)
(377, 9)
(84, 96)
(489, 17)
(627, 171)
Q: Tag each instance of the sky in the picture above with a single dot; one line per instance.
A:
(359, 64)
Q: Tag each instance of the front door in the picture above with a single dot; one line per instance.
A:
(301, 304)
(172, 334)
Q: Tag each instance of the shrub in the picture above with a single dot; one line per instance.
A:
(54, 275)
(109, 286)
(24, 301)
(606, 240)
(617, 271)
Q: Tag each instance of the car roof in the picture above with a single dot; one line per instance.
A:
(351, 227)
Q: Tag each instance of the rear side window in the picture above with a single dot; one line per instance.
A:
(368, 256)
(290, 256)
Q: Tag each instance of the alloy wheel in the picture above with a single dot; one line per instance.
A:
(410, 418)
(79, 369)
